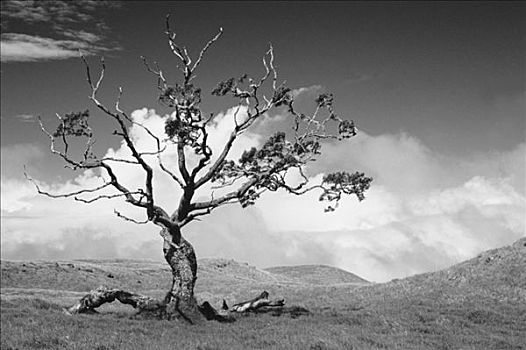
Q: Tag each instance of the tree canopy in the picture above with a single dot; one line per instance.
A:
(266, 168)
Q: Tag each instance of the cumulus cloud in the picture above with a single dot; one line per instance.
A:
(424, 211)
(50, 217)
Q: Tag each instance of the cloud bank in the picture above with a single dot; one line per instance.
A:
(424, 211)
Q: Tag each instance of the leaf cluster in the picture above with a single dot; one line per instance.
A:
(232, 86)
(324, 100)
(187, 126)
(268, 165)
(282, 96)
(181, 129)
(276, 154)
(74, 124)
(185, 95)
(338, 183)
(346, 129)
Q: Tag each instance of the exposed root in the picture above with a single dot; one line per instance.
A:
(211, 313)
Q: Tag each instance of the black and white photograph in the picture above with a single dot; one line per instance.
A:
(237, 175)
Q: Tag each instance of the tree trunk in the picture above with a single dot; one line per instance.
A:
(180, 255)
(179, 302)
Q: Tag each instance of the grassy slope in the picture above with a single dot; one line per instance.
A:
(317, 274)
(478, 304)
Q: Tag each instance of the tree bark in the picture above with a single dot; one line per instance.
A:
(180, 255)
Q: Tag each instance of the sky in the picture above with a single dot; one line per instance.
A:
(437, 90)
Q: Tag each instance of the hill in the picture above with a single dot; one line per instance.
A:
(498, 274)
(217, 278)
(317, 274)
(477, 304)
(83, 275)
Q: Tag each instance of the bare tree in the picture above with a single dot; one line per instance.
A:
(187, 130)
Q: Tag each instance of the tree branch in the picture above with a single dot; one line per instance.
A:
(90, 165)
(270, 68)
(203, 51)
(74, 164)
(126, 218)
(104, 196)
(64, 195)
(158, 73)
(218, 163)
(157, 142)
(234, 195)
(181, 161)
(124, 133)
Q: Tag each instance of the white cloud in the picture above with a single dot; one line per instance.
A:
(14, 195)
(52, 216)
(306, 90)
(17, 47)
(83, 36)
(479, 192)
(423, 212)
(398, 161)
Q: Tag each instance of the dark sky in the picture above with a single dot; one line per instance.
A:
(450, 73)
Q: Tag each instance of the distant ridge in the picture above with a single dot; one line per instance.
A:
(499, 272)
(85, 274)
(317, 274)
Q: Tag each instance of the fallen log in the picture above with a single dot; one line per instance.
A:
(259, 304)
(103, 295)
(157, 308)
(256, 303)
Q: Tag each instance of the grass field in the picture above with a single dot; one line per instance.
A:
(478, 304)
